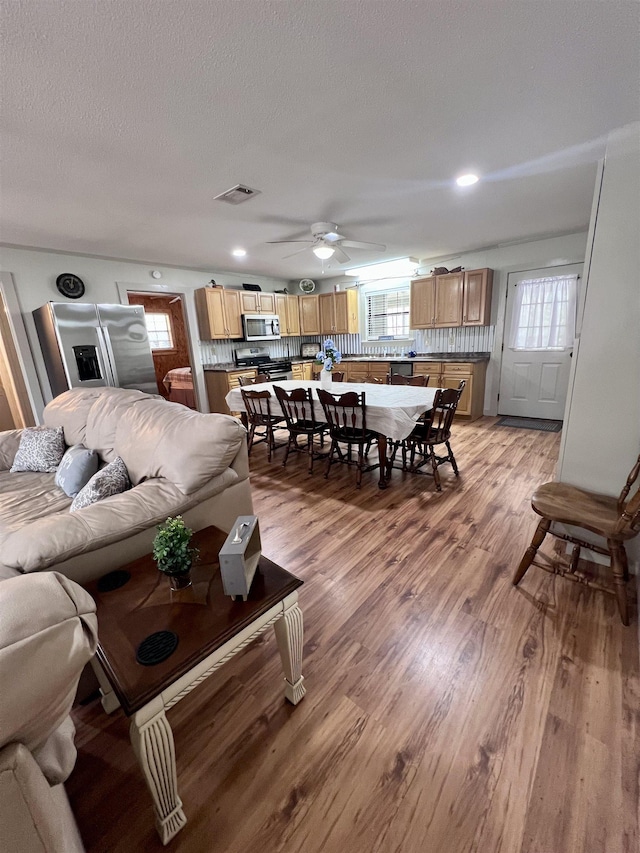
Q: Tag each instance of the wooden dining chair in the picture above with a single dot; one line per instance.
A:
(258, 408)
(614, 519)
(346, 415)
(244, 381)
(336, 375)
(299, 415)
(433, 429)
(417, 381)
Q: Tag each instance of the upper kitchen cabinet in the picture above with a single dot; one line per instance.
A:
(454, 299)
(309, 315)
(218, 312)
(288, 310)
(257, 302)
(339, 313)
(476, 301)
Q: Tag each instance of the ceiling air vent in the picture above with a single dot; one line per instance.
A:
(237, 194)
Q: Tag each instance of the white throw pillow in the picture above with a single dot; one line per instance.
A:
(41, 449)
(113, 479)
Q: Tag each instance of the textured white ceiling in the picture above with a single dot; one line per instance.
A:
(122, 119)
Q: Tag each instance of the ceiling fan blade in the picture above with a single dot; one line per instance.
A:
(273, 242)
(355, 244)
(297, 252)
(340, 255)
(332, 237)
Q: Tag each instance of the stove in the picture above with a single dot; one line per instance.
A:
(277, 369)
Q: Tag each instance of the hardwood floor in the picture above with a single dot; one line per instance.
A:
(446, 710)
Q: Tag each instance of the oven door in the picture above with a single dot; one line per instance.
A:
(280, 375)
(260, 327)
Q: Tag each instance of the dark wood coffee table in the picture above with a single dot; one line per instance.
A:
(211, 628)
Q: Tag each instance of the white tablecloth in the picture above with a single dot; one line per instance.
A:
(392, 410)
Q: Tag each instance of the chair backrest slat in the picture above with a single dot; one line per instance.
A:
(445, 404)
(297, 406)
(344, 412)
(257, 405)
(629, 509)
(418, 381)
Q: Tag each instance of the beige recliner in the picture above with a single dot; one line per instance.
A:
(48, 632)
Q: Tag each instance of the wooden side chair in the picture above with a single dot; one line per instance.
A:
(243, 381)
(432, 430)
(258, 407)
(417, 381)
(336, 375)
(300, 418)
(346, 415)
(616, 520)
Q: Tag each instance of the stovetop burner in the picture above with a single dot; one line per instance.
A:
(261, 357)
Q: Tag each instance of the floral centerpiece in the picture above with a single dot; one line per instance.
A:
(329, 356)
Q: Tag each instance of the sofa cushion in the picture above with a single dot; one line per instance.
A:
(168, 440)
(105, 414)
(24, 498)
(41, 449)
(57, 537)
(78, 466)
(70, 411)
(111, 480)
(9, 443)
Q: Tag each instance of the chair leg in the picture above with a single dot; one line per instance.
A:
(434, 466)
(618, 560)
(529, 555)
(334, 444)
(310, 451)
(252, 432)
(270, 442)
(359, 466)
(288, 449)
(452, 459)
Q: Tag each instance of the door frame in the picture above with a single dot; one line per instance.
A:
(191, 323)
(501, 284)
(29, 400)
(505, 331)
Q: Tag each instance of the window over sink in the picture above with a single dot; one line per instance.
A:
(386, 311)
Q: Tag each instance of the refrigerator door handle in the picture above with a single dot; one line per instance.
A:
(109, 358)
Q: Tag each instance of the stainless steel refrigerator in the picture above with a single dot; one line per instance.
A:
(89, 346)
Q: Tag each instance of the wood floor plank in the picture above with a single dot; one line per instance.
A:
(446, 710)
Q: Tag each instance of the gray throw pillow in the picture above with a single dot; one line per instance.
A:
(78, 466)
(111, 480)
(41, 449)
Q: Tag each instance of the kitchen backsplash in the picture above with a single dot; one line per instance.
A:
(472, 339)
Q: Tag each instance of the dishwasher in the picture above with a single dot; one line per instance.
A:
(404, 368)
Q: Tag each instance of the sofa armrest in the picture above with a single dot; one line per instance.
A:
(240, 463)
(9, 443)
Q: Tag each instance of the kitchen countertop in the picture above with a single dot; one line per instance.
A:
(466, 357)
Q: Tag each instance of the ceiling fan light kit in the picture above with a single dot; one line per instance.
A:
(327, 242)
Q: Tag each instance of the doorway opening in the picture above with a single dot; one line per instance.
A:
(168, 338)
(15, 408)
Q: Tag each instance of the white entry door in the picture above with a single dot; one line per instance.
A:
(533, 383)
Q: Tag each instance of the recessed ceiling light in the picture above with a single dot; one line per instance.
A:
(239, 253)
(467, 180)
(323, 252)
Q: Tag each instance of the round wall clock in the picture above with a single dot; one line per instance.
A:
(70, 285)
(307, 285)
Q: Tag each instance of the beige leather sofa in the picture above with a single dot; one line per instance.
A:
(179, 461)
(48, 633)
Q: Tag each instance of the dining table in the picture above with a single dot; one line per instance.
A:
(391, 410)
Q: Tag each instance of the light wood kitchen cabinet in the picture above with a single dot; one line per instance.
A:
(339, 313)
(288, 311)
(256, 302)
(309, 315)
(447, 374)
(361, 371)
(218, 311)
(452, 300)
(219, 383)
(303, 370)
(476, 297)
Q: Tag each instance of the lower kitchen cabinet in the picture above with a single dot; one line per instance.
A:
(219, 383)
(362, 371)
(448, 374)
(303, 370)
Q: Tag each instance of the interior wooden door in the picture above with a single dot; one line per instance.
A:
(533, 384)
(448, 301)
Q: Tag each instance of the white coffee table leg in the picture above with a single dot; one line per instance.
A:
(152, 741)
(289, 638)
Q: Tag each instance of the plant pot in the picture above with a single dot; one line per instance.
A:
(326, 379)
(181, 581)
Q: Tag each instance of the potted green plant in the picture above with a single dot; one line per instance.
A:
(172, 552)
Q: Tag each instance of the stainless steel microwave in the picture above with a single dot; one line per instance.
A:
(261, 327)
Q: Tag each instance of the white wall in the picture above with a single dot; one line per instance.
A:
(34, 274)
(536, 254)
(602, 425)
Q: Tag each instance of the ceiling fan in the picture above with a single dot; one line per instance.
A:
(327, 243)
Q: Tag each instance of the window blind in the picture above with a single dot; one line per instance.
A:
(159, 330)
(387, 313)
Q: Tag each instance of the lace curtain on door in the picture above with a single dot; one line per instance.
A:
(544, 314)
